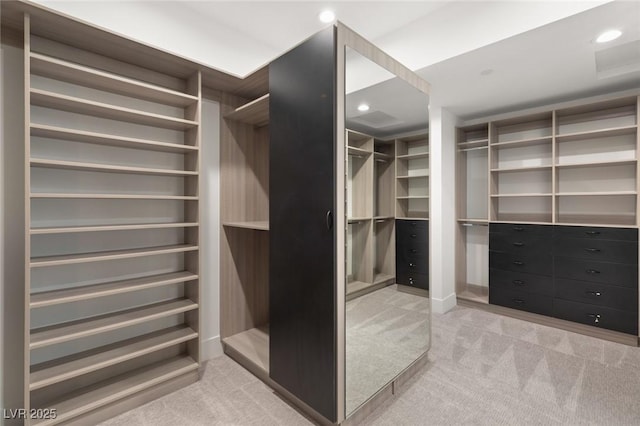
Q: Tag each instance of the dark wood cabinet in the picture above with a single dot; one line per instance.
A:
(412, 253)
(583, 274)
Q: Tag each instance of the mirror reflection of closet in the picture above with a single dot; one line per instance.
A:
(387, 325)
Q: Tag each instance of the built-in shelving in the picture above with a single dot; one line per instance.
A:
(83, 196)
(253, 344)
(257, 225)
(77, 105)
(117, 388)
(103, 228)
(75, 294)
(95, 325)
(255, 112)
(54, 132)
(65, 369)
(106, 168)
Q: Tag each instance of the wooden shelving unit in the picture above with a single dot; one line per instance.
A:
(412, 177)
(572, 165)
(244, 214)
(96, 336)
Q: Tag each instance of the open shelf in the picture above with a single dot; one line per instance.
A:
(595, 193)
(477, 148)
(418, 175)
(382, 156)
(58, 69)
(479, 143)
(116, 388)
(82, 196)
(523, 142)
(101, 256)
(255, 112)
(598, 163)
(381, 278)
(530, 194)
(413, 156)
(261, 225)
(520, 169)
(357, 219)
(357, 152)
(53, 132)
(102, 228)
(591, 134)
(107, 168)
(65, 332)
(73, 104)
(413, 197)
(59, 370)
(596, 220)
(474, 221)
(93, 291)
(533, 218)
(473, 293)
(253, 344)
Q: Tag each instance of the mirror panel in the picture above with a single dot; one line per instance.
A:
(387, 324)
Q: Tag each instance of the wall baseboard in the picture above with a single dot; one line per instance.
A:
(211, 348)
(441, 306)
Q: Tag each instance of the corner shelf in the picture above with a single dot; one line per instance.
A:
(255, 112)
(257, 225)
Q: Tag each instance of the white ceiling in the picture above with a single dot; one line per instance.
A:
(240, 36)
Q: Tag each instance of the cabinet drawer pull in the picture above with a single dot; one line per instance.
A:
(413, 235)
(414, 223)
(593, 293)
(593, 250)
(518, 301)
(412, 265)
(593, 233)
(518, 282)
(594, 317)
(593, 271)
(518, 228)
(518, 263)
(413, 250)
(518, 244)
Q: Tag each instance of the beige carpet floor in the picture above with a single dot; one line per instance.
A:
(485, 369)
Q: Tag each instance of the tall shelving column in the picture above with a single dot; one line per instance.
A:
(412, 177)
(112, 232)
(244, 251)
(472, 187)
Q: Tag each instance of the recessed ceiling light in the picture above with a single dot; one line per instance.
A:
(363, 107)
(608, 36)
(327, 16)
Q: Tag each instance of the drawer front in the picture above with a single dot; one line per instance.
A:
(405, 225)
(412, 238)
(519, 244)
(414, 265)
(598, 316)
(622, 298)
(536, 303)
(412, 279)
(518, 229)
(596, 233)
(519, 281)
(604, 250)
(599, 272)
(539, 263)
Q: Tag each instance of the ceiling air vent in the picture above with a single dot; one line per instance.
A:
(376, 120)
(618, 60)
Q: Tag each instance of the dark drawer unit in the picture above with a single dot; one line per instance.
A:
(622, 298)
(583, 274)
(412, 253)
(519, 244)
(598, 316)
(519, 281)
(412, 279)
(600, 272)
(521, 230)
(535, 303)
(536, 263)
(596, 233)
(597, 249)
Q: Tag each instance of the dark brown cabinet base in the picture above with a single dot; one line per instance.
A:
(412, 253)
(587, 275)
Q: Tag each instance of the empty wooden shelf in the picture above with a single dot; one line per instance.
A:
(255, 112)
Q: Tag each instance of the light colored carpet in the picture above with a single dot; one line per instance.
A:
(485, 369)
(386, 331)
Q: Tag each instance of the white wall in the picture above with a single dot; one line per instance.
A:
(443, 207)
(12, 225)
(210, 230)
